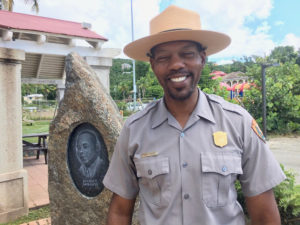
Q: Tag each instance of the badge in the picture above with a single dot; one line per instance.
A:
(257, 130)
(220, 138)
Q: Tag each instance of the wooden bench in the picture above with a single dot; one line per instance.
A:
(38, 147)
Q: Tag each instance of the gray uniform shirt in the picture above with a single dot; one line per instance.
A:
(182, 175)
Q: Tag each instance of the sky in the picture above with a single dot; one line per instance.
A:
(255, 26)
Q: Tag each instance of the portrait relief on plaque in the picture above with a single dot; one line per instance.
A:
(87, 159)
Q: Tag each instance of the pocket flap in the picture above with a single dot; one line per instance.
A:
(223, 163)
(151, 167)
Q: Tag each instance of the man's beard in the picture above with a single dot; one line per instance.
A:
(179, 97)
(192, 87)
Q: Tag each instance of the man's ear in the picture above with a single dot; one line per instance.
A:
(203, 57)
(151, 62)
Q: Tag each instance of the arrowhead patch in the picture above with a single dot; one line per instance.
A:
(257, 130)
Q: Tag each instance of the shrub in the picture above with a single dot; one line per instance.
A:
(287, 196)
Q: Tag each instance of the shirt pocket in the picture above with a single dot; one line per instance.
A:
(154, 181)
(219, 172)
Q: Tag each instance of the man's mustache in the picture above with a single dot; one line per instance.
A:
(179, 72)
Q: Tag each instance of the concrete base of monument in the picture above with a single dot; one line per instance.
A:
(13, 192)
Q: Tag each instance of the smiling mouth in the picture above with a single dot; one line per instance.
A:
(178, 79)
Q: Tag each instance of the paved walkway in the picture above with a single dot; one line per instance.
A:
(46, 221)
(287, 152)
(37, 181)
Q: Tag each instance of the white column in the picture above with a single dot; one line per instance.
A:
(13, 178)
(60, 91)
(101, 65)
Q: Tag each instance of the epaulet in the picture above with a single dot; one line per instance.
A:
(228, 106)
(141, 113)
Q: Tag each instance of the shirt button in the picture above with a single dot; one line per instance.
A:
(185, 164)
(150, 172)
(224, 168)
(186, 196)
(182, 134)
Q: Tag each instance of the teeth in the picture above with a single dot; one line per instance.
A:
(178, 79)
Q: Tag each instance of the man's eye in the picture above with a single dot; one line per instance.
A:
(162, 58)
(188, 54)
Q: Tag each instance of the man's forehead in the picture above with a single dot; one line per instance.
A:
(182, 44)
(85, 136)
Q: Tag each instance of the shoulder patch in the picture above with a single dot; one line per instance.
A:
(143, 112)
(257, 130)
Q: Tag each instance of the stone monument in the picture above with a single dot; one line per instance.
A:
(82, 139)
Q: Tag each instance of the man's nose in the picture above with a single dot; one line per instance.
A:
(176, 62)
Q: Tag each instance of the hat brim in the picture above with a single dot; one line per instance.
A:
(213, 41)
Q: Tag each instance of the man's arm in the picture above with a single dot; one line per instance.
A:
(263, 209)
(120, 210)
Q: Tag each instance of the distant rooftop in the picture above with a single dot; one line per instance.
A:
(20, 21)
(233, 75)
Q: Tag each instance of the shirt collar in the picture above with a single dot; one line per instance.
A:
(202, 109)
(161, 114)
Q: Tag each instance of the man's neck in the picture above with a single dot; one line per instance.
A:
(182, 109)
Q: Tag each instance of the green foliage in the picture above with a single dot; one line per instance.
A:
(283, 98)
(120, 81)
(205, 79)
(154, 90)
(35, 214)
(121, 84)
(215, 88)
(47, 90)
(287, 196)
(283, 54)
(122, 105)
(141, 69)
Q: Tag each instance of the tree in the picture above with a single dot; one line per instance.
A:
(143, 84)
(283, 54)
(283, 98)
(9, 4)
(154, 90)
(205, 79)
(141, 69)
(117, 76)
(124, 88)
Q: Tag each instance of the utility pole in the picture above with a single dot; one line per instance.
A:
(133, 61)
(264, 101)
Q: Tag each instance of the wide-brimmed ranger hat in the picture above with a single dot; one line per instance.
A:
(174, 24)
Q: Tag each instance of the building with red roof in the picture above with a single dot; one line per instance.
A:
(21, 24)
(47, 41)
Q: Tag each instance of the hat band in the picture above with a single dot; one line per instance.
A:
(174, 30)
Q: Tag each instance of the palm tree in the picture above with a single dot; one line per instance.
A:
(143, 83)
(124, 88)
(9, 4)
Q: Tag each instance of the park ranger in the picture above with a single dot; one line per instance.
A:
(184, 152)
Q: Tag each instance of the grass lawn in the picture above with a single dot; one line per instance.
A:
(33, 215)
(36, 127)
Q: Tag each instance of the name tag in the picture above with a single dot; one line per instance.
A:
(149, 154)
